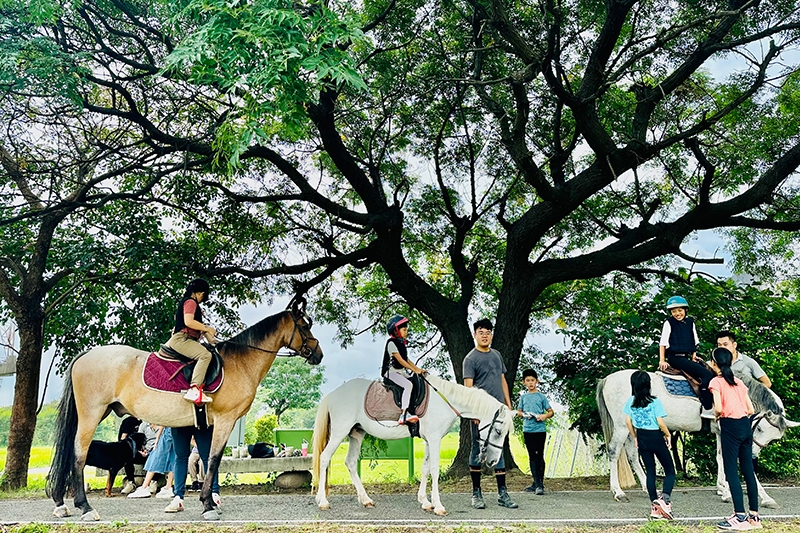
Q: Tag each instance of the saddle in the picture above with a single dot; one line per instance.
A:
(382, 400)
(672, 375)
(172, 374)
(214, 367)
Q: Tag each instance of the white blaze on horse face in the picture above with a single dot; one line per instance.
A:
(495, 438)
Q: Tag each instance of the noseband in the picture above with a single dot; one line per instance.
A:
(485, 443)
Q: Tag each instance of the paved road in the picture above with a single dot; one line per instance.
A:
(555, 508)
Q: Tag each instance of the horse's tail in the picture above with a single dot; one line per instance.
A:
(61, 476)
(322, 434)
(606, 421)
(624, 472)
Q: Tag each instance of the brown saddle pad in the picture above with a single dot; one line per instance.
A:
(379, 403)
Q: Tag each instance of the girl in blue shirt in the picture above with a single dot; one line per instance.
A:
(645, 420)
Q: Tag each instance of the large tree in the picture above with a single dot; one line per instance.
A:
(463, 157)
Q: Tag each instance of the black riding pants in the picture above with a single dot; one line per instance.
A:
(736, 437)
(652, 447)
(698, 372)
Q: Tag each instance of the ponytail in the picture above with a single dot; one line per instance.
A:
(640, 389)
(723, 358)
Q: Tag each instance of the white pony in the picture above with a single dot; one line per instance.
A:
(341, 414)
(683, 414)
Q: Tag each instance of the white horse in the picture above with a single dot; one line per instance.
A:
(341, 414)
(683, 414)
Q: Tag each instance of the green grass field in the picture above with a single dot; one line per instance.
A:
(381, 472)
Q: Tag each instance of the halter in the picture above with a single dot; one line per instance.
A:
(485, 443)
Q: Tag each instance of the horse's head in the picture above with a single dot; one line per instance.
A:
(767, 427)
(492, 435)
(302, 340)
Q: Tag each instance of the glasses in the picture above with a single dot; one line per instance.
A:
(484, 333)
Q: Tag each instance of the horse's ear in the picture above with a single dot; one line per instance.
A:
(791, 423)
(298, 305)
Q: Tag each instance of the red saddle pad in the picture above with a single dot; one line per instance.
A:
(158, 371)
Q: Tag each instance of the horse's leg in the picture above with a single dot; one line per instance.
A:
(336, 436)
(615, 448)
(766, 499)
(422, 493)
(633, 459)
(219, 439)
(723, 489)
(351, 461)
(88, 419)
(433, 449)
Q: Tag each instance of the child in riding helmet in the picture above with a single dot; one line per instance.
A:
(396, 365)
(678, 347)
(733, 406)
(189, 328)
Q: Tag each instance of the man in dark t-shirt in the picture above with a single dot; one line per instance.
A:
(483, 368)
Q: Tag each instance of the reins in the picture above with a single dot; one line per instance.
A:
(304, 350)
(441, 396)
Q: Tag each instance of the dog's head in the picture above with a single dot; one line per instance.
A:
(139, 439)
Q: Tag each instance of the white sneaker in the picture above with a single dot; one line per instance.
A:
(217, 501)
(175, 505)
(128, 487)
(141, 492)
(196, 395)
(165, 493)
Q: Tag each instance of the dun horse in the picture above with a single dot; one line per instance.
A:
(683, 414)
(341, 414)
(109, 378)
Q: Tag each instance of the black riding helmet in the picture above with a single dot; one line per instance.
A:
(395, 323)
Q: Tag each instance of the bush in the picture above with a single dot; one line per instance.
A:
(262, 430)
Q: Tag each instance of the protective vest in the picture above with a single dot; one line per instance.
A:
(388, 359)
(681, 336)
(180, 325)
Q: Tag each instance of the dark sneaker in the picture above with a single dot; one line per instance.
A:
(504, 499)
(477, 500)
(539, 491)
(531, 488)
(735, 523)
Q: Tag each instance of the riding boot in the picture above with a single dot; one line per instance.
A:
(477, 499)
(504, 499)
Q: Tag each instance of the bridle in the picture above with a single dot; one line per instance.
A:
(755, 421)
(485, 443)
(305, 351)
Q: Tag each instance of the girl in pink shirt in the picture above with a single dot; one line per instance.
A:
(733, 408)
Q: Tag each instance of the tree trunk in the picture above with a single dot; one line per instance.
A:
(23, 411)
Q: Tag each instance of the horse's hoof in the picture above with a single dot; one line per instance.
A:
(427, 507)
(440, 512)
(727, 499)
(211, 515)
(369, 505)
(770, 504)
(90, 516)
(61, 511)
(325, 507)
(622, 498)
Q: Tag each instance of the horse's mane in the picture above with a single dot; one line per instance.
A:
(470, 399)
(763, 399)
(240, 343)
